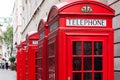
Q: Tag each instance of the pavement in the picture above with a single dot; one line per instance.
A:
(7, 74)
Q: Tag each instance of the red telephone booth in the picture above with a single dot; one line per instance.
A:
(18, 62)
(21, 52)
(23, 60)
(32, 50)
(80, 41)
(42, 52)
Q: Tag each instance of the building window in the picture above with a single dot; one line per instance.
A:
(26, 1)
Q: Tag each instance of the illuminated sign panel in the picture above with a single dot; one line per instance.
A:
(34, 42)
(86, 22)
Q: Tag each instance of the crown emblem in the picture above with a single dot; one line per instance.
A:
(86, 9)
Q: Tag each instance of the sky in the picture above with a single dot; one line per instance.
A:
(6, 7)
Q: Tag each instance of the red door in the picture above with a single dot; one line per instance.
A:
(87, 57)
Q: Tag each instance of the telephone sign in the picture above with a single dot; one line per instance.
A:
(86, 22)
(35, 42)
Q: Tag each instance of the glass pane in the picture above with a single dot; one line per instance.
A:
(51, 49)
(52, 64)
(36, 55)
(87, 48)
(40, 63)
(77, 63)
(36, 70)
(77, 48)
(40, 53)
(37, 62)
(87, 76)
(40, 76)
(97, 63)
(98, 48)
(87, 63)
(98, 76)
(51, 75)
(77, 76)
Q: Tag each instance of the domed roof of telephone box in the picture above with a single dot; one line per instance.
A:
(80, 8)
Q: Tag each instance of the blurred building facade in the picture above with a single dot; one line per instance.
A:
(27, 14)
(115, 4)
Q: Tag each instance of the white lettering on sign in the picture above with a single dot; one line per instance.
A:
(35, 42)
(86, 22)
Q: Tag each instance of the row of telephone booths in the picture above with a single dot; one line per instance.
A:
(75, 42)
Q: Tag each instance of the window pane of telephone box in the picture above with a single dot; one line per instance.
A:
(97, 63)
(77, 48)
(98, 76)
(87, 76)
(77, 63)
(51, 63)
(87, 63)
(98, 48)
(51, 49)
(88, 48)
(77, 76)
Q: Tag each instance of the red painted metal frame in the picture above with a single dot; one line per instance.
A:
(32, 50)
(60, 35)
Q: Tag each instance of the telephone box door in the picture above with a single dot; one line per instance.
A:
(87, 57)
